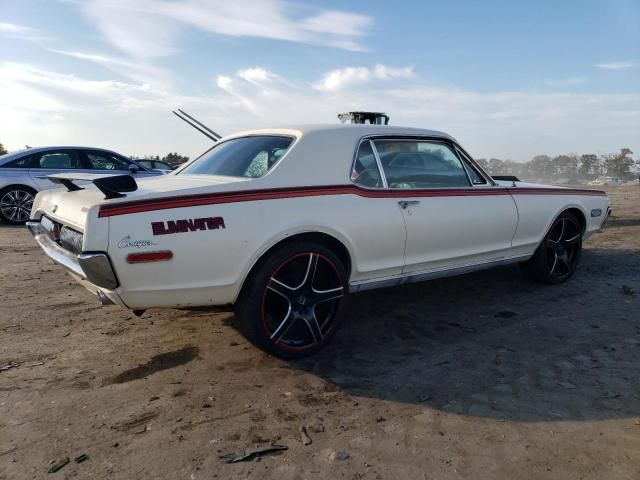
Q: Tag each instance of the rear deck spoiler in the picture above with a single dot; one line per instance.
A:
(113, 186)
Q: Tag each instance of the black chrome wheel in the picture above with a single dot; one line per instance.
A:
(294, 304)
(301, 301)
(562, 246)
(557, 257)
(15, 205)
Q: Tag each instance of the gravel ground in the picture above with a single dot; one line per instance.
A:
(481, 376)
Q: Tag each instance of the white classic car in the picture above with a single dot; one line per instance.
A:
(284, 223)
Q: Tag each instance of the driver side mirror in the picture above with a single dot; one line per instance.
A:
(133, 168)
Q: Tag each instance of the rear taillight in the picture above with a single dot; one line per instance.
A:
(144, 257)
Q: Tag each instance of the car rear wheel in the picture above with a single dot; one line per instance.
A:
(557, 257)
(293, 303)
(15, 204)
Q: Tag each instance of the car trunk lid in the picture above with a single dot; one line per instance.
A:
(72, 205)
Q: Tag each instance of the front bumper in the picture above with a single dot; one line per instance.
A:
(93, 267)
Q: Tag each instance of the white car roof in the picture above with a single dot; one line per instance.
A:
(55, 147)
(348, 131)
(323, 154)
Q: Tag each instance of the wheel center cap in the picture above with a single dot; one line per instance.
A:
(302, 300)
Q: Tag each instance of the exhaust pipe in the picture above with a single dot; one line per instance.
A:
(104, 300)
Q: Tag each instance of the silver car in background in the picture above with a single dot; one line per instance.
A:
(24, 173)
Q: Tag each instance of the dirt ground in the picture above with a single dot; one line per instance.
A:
(481, 376)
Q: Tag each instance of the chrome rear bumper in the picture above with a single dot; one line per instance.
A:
(94, 267)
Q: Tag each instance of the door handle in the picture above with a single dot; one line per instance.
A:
(406, 203)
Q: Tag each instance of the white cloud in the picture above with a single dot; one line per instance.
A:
(27, 75)
(338, 23)
(618, 65)
(253, 84)
(388, 73)
(224, 82)
(136, 70)
(134, 27)
(45, 107)
(22, 32)
(41, 107)
(345, 78)
(149, 28)
(258, 76)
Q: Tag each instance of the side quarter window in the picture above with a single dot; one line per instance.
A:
(420, 164)
(22, 162)
(365, 170)
(57, 160)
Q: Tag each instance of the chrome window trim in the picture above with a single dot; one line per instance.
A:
(376, 155)
(467, 158)
(466, 167)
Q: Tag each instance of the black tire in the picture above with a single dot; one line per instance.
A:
(15, 204)
(292, 304)
(557, 257)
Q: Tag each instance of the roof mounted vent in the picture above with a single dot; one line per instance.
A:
(372, 118)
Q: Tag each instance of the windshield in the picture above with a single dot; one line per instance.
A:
(249, 157)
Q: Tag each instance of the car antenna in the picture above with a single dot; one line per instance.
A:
(198, 125)
(201, 124)
(205, 133)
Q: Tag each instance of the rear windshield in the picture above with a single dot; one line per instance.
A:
(249, 157)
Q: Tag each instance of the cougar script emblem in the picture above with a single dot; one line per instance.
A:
(126, 242)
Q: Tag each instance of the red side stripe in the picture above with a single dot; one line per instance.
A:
(181, 201)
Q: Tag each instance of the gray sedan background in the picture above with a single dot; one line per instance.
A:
(24, 173)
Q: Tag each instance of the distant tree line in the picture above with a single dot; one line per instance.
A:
(2, 149)
(569, 168)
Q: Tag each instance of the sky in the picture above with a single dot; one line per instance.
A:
(507, 79)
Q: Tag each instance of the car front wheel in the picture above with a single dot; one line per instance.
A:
(557, 257)
(294, 300)
(15, 204)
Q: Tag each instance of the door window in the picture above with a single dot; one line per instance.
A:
(58, 160)
(365, 170)
(420, 164)
(106, 161)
